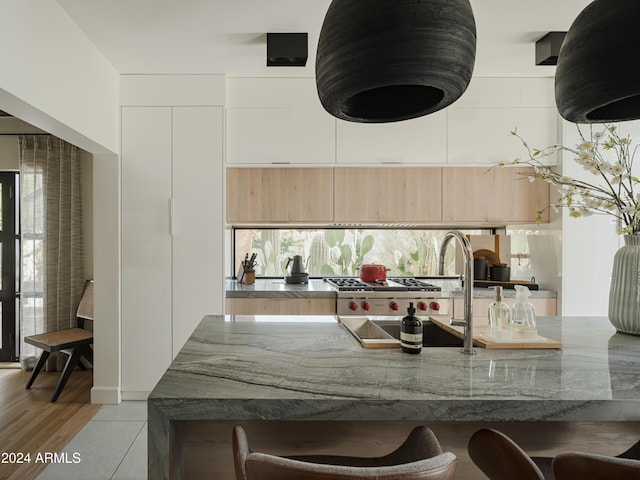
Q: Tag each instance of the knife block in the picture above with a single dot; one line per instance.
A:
(246, 275)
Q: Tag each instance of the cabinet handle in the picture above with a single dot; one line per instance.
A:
(172, 214)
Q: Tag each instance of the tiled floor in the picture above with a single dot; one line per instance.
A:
(111, 446)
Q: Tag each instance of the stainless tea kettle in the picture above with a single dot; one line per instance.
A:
(297, 273)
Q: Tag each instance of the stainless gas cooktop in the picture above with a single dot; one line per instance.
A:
(401, 284)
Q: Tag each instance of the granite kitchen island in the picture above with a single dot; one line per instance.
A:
(287, 377)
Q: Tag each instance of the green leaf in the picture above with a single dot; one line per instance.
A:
(422, 253)
(367, 245)
(327, 271)
(347, 255)
(331, 237)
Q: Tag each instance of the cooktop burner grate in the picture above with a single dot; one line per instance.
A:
(346, 284)
(349, 284)
(415, 284)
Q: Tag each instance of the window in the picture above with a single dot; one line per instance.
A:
(340, 251)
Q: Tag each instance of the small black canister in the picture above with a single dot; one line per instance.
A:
(411, 332)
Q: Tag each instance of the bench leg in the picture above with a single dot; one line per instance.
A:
(88, 354)
(66, 373)
(37, 368)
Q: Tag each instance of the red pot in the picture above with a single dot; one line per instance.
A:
(372, 272)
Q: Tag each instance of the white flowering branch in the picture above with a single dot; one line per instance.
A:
(615, 194)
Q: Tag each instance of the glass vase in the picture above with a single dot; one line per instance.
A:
(624, 296)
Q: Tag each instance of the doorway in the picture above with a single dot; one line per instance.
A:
(9, 278)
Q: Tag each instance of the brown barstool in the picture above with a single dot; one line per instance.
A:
(589, 466)
(500, 458)
(420, 457)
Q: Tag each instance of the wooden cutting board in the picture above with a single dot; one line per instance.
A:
(509, 285)
(481, 339)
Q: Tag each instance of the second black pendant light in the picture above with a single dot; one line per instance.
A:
(598, 73)
(389, 60)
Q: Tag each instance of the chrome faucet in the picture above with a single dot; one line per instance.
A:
(467, 280)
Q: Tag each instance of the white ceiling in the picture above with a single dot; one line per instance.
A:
(228, 36)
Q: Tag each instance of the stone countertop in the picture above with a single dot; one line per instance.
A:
(275, 368)
(318, 288)
(277, 288)
(285, 368)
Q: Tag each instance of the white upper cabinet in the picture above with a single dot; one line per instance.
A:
(277, 121)
(281, 121)
(280, 136)
(480, 122)
(481, 135)
(420, 140)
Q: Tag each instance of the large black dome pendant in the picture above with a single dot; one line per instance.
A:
(598, 73)
(388, 60)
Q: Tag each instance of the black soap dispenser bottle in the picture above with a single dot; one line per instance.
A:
(411, 332)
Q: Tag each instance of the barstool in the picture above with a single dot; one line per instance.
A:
(420, 457)
(500, 458)
(589, 466)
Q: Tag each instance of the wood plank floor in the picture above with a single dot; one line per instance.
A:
(30, 423)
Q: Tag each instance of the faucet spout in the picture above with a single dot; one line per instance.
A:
(467, 284)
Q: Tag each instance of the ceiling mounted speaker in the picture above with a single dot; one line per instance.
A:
(548, 48)
(598, 73)
(389, 60)
(286, 49)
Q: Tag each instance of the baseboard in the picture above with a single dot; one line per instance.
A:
(134, 395)
(106, 395)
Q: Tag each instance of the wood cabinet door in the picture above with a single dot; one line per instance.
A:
(270, 195)
(492, 196)
(388, 195)
(281, 306)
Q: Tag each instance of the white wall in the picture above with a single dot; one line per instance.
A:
(54, 78)
(588, 244)
(87, 212)
(106, 272)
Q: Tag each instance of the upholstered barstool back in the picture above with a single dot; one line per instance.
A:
(418, 458)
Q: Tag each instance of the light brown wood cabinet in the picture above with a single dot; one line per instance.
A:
(265, 195)
(421, 195)
(390, 195)
(281, 306)
(492, 196)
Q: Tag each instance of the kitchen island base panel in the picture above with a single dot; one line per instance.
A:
(281, 306)
(204, 449)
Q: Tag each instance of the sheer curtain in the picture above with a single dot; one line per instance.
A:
(51, 240)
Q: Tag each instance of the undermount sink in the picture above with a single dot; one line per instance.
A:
(377, 333)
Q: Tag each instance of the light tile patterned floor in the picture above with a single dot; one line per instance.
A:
(112, 446)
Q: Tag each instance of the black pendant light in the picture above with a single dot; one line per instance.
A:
(598, 73)
(388, 60)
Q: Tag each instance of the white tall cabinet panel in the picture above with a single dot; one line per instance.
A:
(146, 246)
(172, 251)
(198, 283)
